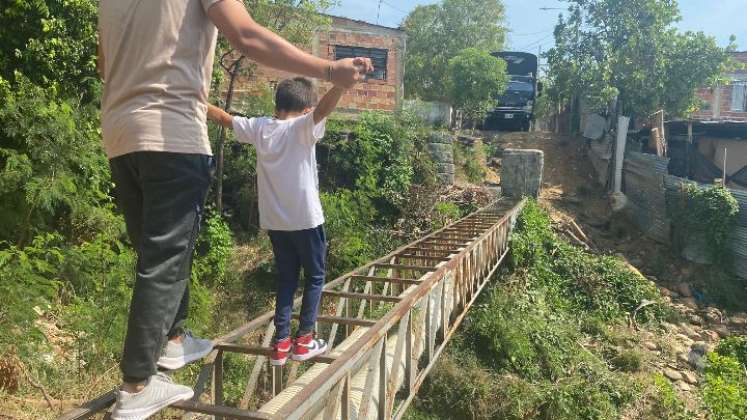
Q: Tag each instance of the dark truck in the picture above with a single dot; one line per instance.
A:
(515, 108)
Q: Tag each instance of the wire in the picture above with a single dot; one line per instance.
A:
(538, 42)
(395, 7)
(533, 33)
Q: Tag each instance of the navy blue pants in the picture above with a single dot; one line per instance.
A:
(293, 250)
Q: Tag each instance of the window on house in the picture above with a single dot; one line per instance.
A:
(378, 56)
(739, 96)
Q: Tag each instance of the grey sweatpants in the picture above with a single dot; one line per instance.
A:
(162, 196)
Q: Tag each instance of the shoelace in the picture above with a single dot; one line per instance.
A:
(164, 377)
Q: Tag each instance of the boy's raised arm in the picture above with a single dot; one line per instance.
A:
(328, 104)
(220, 116)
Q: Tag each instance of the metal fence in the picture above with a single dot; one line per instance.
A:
(643, 184)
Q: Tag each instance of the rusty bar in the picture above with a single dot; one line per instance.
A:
(277, 380)
(432, 250)
(409, 368)
(345, 399)
(386, 280)
(424, 373)
(218, 382)
(362, 296)
(343, 321)
(259, 366)
(265, 351)
(425, 257)
(92, 407)
(220, 411)
(406, 267)
(382, 380)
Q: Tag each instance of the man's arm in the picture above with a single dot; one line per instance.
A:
(328, 104)
(265, 47)
(220, 116)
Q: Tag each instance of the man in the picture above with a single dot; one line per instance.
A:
(156, 58)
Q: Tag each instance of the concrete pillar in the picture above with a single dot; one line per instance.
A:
(441, 149)
(521, 173)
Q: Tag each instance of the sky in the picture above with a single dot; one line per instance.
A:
(531, 28)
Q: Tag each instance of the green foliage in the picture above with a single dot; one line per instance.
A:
(373, 155)
(476, 78)
(53, 173)
(213, 251)
(27, 281)
(725, 388)
(710, 213)
(666, 404)
(632, 50)
(439, 32)
(734, 347)
(351, 231)
(603, 285)
(470, 162)
(52, 43)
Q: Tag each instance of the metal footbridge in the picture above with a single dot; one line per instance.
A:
(387, 323)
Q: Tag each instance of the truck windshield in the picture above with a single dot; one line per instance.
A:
(515, 86)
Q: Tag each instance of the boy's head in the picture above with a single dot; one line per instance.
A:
(294, 96)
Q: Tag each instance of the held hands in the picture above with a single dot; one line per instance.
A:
(347, 72)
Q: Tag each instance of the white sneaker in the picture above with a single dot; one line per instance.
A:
(175, 355)
(159, 393)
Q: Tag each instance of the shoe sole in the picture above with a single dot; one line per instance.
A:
(144, 413)
(174, 363)
(278, 362)
(307, 356)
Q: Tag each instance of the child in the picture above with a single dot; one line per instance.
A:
(289, 206)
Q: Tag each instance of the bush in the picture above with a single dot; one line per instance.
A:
(725, 388)
(603, 285)
(734, 347)
(470, 162)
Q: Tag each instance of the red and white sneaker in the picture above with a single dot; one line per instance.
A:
(280, 351)
(308, 346)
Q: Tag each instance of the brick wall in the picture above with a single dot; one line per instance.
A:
(719, 98)
(380, 95)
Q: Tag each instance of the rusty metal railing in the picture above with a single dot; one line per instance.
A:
(391, 320)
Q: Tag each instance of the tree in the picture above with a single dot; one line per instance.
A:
(437, 33)
(631, 50)
(52, 43)
(476, 78)
(294, 20)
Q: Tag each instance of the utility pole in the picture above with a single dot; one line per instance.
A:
(378, 13)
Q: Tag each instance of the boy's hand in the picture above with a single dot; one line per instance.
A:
(347, 72)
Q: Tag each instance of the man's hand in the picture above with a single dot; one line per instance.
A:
(349, 71)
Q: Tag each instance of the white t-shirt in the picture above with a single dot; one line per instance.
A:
(287, 176)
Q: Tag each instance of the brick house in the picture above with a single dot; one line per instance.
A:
(383, 90)
(727, 102)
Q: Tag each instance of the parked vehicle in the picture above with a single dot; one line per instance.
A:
(515, 108)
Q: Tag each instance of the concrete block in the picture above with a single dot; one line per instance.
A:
(522, 172)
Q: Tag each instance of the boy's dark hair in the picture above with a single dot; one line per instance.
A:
(295, 95)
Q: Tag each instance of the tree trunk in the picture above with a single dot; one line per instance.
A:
(221, 138)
